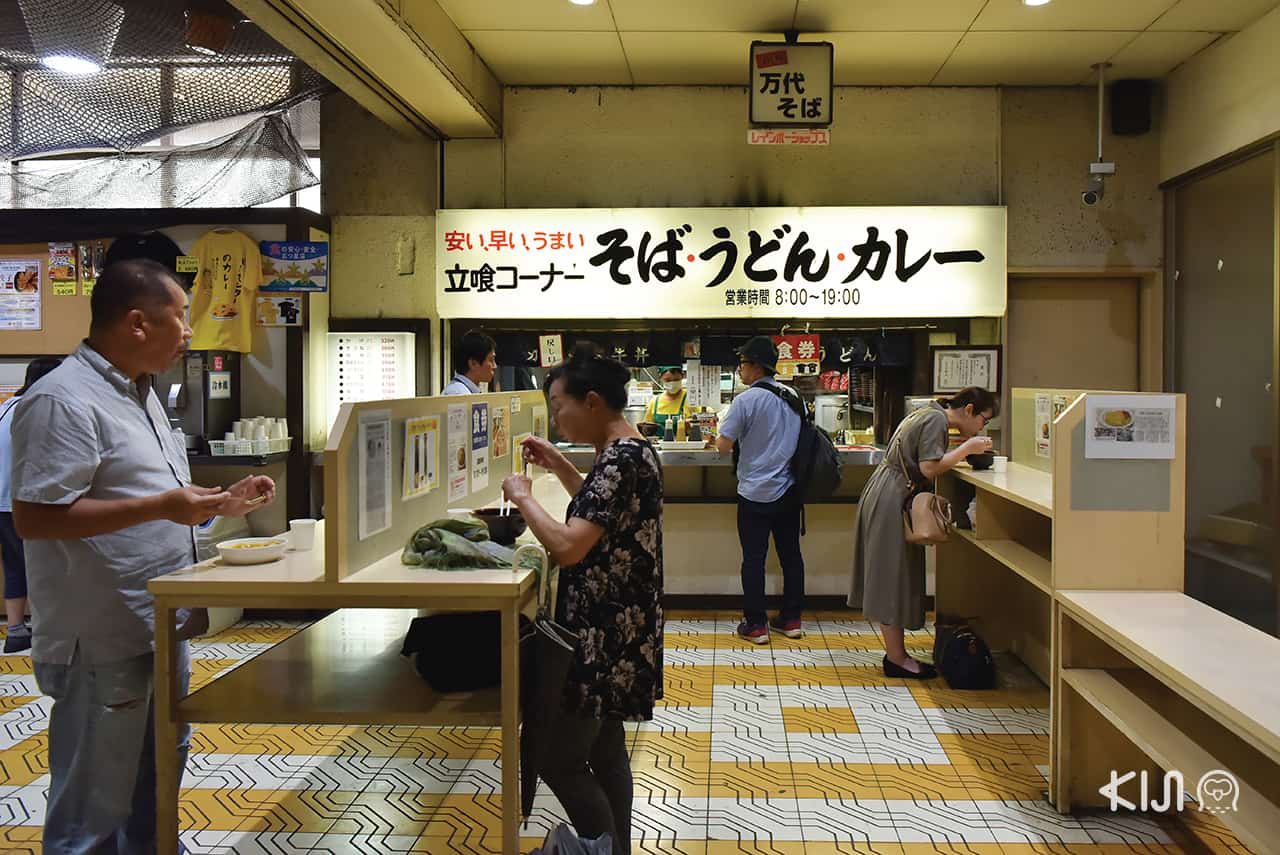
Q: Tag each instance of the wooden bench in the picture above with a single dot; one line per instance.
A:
(1156, 681)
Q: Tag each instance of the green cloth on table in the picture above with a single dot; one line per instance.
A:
(460, 542)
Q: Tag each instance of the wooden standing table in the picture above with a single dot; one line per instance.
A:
(345, 668)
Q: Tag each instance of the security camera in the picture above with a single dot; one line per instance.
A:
(1093, 194)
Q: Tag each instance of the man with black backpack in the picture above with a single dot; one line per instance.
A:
(763, 430)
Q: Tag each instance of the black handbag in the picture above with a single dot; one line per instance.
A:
(961, 655)
(547, 650)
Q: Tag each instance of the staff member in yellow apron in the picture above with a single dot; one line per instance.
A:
(672, 403)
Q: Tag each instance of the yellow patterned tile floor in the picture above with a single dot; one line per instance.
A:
(796, 748)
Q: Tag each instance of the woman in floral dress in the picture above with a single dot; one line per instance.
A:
(609, 549)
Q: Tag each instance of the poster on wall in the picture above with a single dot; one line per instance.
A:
(517, 450)
(812, 262)
(958, 366)
(374, 510)
(20, 294)
(798, 355)
(295, 265)
(62, 269)
(92, 260)
(1130, 427)
(515, 404)
(501, 432)
(479, 447)
(278, 311)
(1044, 424)
(456, 460)
(540, 421)
(421, 457)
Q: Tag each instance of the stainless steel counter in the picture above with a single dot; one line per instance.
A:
(582, 456)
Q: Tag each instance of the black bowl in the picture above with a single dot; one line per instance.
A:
(502, 529)
(985, 460)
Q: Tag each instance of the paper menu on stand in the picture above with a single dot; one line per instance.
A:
(1044, 425)
(479, 447)
(374, 509)
(456, 459)
(421, 457)
(540, 421)
(1130, 427)
(20, 294)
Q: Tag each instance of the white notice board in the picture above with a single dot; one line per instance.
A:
(791, 84)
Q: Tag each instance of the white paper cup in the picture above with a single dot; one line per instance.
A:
(1000, 464)
(260, 432)
(302, 534)
(237, 428)
(230, 436)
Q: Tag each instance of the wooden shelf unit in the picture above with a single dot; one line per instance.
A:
(1156, 681)
(1051, 523)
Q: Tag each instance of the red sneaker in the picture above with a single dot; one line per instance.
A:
(789, 628)
(755, 633)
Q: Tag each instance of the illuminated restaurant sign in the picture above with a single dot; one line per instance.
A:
(895, 262)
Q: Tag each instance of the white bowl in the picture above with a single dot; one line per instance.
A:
(253, 550)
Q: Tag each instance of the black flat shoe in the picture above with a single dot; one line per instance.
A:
(927, 671)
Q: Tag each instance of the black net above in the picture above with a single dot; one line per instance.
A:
(114, 74)
(257, 164)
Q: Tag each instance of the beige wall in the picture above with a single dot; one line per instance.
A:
(380, 191)
(1223, 99)
(686, 146)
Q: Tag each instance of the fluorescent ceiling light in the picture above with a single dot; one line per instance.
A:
(1035, 2)
(583, 2)
(68, 64)
(70, 36)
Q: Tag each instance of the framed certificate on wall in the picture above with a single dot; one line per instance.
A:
(958, 366)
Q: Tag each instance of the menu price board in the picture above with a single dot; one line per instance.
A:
(368, 367)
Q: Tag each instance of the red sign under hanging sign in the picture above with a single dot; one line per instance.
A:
(798, 355)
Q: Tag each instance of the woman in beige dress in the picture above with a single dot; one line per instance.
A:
(888, 573)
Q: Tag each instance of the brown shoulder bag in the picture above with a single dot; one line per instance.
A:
(926, 517)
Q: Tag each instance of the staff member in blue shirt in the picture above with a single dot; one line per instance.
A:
(766, 431)
(102, 497)
(474, 362)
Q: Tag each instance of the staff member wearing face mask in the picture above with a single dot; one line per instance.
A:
(672, 403)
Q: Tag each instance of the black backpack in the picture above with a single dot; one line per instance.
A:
(815, 464)
(961, 656)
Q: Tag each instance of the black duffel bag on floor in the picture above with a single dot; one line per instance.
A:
(961, 656)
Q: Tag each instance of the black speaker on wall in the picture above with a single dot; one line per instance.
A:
(1131, 107)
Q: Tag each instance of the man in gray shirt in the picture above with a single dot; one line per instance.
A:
(104, 502)
(765, 429)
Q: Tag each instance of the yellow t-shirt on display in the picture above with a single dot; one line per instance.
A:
(226, 287)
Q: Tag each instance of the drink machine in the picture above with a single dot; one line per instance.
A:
(202, 396)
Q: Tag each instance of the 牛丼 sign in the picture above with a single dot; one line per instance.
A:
(791, 83)
(895, 262)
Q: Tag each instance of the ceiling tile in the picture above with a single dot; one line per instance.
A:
(527, 15)
(1153, 54)
(737, 16)
(893, 15)
(1071, 15)
(721, 59)
(889, 59)
(529, 58)
(1216, 15)
(1028, 59)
